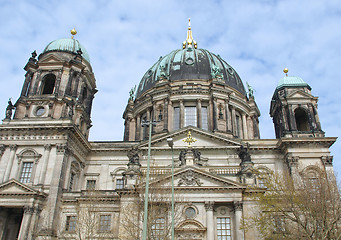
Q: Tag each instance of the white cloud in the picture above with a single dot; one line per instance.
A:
(124, 39)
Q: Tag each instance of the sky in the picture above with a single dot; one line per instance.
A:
(125, 38)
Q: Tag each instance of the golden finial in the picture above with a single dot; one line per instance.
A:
(189, 139)
(189, 41)
(73, 32)
(285, 70)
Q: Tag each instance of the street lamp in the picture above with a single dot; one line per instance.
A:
(171, 144)
(150, 124)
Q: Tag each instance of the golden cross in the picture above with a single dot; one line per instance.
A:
(189, 139)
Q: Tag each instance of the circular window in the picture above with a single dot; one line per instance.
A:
(190, 212)
(189, 61)
(230, 70)
(40, 111)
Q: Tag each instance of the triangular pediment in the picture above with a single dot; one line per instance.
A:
(14, 187)
(50, 59)
(203, 139)
(193, 177)
(299, 94)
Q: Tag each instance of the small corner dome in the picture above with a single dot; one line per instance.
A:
(67, 45)
(291, 81)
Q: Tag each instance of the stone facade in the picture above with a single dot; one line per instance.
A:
(49, 168)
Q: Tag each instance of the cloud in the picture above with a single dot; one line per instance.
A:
(258, 39)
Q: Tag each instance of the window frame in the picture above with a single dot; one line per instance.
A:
(25, 156)
(106, 227)
(68, 221)
(28, 179)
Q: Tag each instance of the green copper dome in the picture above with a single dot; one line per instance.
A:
(67, 45)
(291, 81)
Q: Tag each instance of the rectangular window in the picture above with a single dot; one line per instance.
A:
(119, 183)
(224, 228)
(70, 225)
(176, 118)
(158, 228)
(191, 116)
(72, 179)
(91, 185)
(26, 172)
(105, 223)
(204, 118)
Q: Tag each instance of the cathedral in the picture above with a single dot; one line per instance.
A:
(190, 124)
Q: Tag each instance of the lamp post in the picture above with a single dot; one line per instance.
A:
(145, 217)
(171, 144)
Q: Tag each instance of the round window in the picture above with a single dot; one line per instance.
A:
(189, 61)
(190, 212)
(40, 111)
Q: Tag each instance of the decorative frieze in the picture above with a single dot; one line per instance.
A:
(189, 178)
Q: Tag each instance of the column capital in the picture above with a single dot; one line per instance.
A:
(292, 161)
(2, 149)
(238, 206)
(209, 205)
(199, 100)
(62, 149)
(13, 147)
(29, 210)
(47, 147)
(327, 160)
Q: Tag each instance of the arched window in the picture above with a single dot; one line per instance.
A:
(49, 82)
(301, 118)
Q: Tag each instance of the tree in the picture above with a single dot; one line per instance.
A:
(87, 223)
(159, 211)
(298, 207)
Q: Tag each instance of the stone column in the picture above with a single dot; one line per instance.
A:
(292, 162)
(228, 117)
(293, 126)
(25, 223)
(209, 220)
(238, 213)
(132, 129)
(10, 161)
(182, 114)
(244, 126)
(28, 77)
(170, 115)
(215, 114)
(34, 220)
(199, 115)
(138, 127)
(46, 156)
(234, 124)
(165, 115)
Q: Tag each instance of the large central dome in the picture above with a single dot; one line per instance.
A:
(190, 64)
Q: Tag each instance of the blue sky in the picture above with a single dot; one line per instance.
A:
(125, 38)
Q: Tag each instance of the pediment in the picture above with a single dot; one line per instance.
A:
(203, 139)
(14, 187)
(193, 177)
(51, 58)
(299, 94)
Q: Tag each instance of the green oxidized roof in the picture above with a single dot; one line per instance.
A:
(291, 81)
(67, 45)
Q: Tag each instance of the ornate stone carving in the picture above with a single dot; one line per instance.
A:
(13, 147)
(189, 178)
(292, 161)
(2, 149)
(238, 206)
(209, 206)
(244, 154)
(29, 210)
(9, 110)
(327, 160)
(47, 147)
(134, 156)
(62, 149)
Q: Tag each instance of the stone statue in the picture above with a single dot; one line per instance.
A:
(182, 157)
(9, 109)
(244, 154)
(250, 89)
(133, 155)
(163, 73)
(216, 72)
(132, 93)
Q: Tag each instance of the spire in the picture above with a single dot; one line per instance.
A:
(189, 41)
